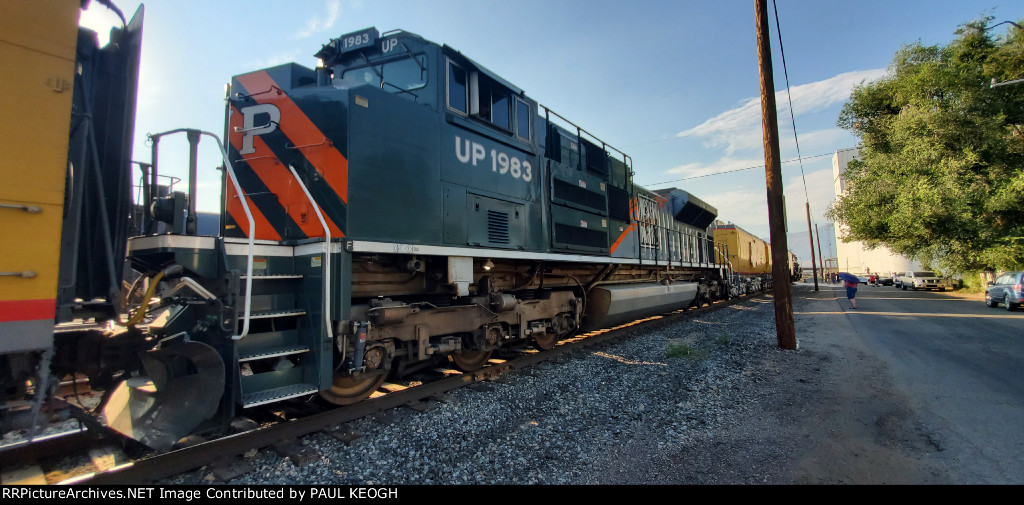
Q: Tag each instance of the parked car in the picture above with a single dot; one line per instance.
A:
(885, 281)
(924, 280)
(1007, 289)
(897, 279)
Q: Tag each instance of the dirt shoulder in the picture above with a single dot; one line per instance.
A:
(852, 424)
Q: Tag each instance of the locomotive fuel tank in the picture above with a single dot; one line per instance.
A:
(611, 305)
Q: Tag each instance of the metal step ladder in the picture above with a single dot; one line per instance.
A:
(285, 359)
(274, 359)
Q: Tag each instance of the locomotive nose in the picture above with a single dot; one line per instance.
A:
(182, 388)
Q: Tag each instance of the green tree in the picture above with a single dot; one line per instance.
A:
(941, 171)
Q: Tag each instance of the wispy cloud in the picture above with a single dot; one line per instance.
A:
(739, 128)
(748, 207)
(744, 207)
(723, 165)
(820, 194)
(816, 148)
(815, 142)
(285, 56)
(320, 22)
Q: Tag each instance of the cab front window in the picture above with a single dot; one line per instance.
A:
(396, 75)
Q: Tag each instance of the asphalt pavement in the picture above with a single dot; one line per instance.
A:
(959, 362)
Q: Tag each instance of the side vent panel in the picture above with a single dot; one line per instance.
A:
(495, 223)
(497, 227)
(575, 195)
(618, 204)
(576, 230)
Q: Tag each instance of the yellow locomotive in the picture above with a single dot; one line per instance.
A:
(69, 114)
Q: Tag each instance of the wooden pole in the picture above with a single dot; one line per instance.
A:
(814, 266)
(784, 325)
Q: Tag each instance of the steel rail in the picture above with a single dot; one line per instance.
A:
(149, 469)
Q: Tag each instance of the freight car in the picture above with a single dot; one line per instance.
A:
(796, 272)
(750, 258)
(396, 206)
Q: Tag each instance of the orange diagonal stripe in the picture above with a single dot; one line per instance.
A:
(234, 207)
(631, 227)
(324, 157)
(280, 181)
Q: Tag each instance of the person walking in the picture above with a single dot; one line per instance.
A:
(850, 282)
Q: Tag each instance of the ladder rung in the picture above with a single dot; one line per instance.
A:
(272, 353)
(277, 394)
(276, 313)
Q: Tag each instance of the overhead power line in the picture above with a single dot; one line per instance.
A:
(736, 170)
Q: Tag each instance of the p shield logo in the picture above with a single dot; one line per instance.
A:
(249, 128)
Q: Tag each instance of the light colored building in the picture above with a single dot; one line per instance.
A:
(853, 257)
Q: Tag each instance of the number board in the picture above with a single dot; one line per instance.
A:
(357, 40)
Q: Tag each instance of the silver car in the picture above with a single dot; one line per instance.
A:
(1008, 289)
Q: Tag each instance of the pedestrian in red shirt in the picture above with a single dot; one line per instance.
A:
(850, 283)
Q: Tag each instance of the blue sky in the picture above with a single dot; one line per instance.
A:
(673, 83)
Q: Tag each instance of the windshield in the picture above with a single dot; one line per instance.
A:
(925, 274)
(401, 74)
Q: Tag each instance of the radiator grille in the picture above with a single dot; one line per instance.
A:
(580, 236)
(581, 196)
(497, 227)
(618, 204)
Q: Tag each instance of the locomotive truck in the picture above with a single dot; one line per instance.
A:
(396, 207)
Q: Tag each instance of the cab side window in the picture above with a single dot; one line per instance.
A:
(458, 90)
(490, 101)
(522, 120)
(478, 95)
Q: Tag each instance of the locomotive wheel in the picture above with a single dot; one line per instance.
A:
(346, 389)
(469, 360)
(545, 341)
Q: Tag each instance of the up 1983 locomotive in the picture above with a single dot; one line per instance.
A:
(397, 206)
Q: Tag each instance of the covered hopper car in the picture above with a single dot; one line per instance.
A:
(749, 258)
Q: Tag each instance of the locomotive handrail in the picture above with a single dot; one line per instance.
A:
(327, 253)
(155, 137)
(243, 96)
(239, 129)
(325, 141)
(626, 159)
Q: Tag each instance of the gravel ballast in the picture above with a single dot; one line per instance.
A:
(683, 402)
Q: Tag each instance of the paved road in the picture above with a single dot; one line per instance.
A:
(961, 364)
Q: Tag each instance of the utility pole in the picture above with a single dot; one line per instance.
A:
(820, 257)
(784, 325)
(814, 266)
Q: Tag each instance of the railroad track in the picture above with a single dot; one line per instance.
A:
(95, 458)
